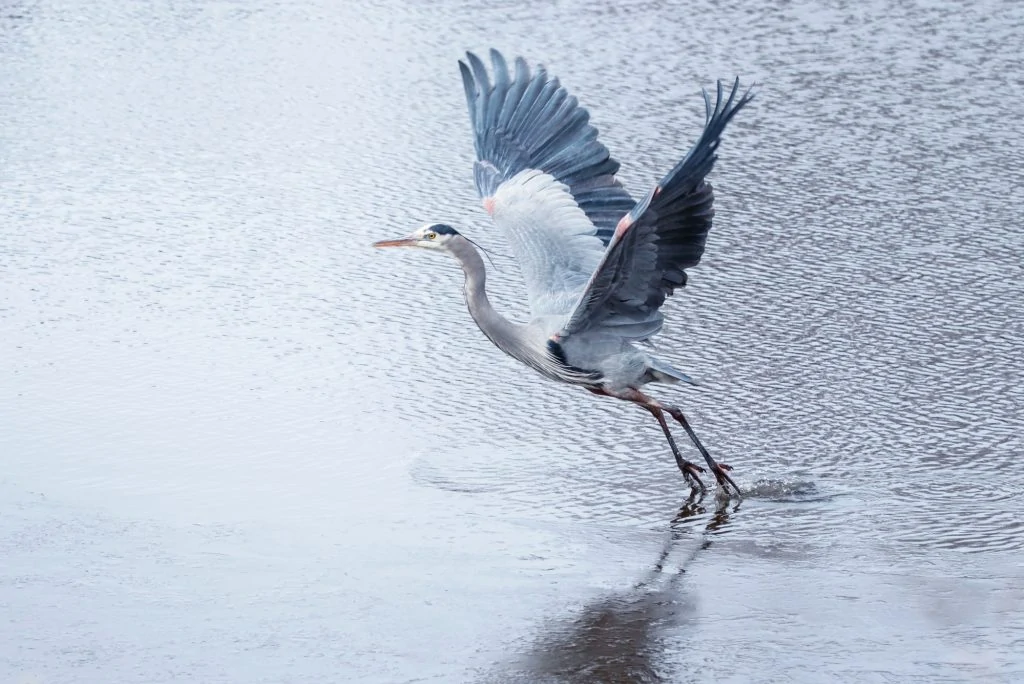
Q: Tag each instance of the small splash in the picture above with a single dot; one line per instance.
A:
(787, 491)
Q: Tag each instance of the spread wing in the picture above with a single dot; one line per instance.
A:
(663, 235)
(543, 176)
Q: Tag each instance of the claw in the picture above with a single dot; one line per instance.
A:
(692, 471)
(724, 481)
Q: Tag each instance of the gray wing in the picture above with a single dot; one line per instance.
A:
(543, 176)
(662, 236)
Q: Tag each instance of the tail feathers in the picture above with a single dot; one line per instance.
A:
(662, 372)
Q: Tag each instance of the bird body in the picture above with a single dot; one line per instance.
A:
(597, 265)
(596, 360)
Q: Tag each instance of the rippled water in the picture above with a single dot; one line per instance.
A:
(240, 445)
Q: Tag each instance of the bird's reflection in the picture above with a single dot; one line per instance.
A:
(618, 638)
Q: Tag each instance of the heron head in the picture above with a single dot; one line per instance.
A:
(431, 236)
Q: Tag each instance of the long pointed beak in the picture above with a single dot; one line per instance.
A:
(400, 242)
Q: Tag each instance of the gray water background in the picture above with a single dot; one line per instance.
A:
(238, 445)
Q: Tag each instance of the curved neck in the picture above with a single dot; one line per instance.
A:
(499, 330)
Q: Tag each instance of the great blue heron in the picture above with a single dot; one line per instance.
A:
(597, 264)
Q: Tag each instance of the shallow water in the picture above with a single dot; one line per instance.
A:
(239, 445)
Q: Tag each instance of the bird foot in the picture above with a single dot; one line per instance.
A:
(720, 471)
(692, 471)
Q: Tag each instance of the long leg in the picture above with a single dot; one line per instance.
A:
(720, 470)
(691, 471)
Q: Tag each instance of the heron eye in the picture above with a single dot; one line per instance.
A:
(431, 236)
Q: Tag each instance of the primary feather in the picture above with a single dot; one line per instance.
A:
(662, 236)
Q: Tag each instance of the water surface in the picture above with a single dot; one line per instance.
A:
(239, 445)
